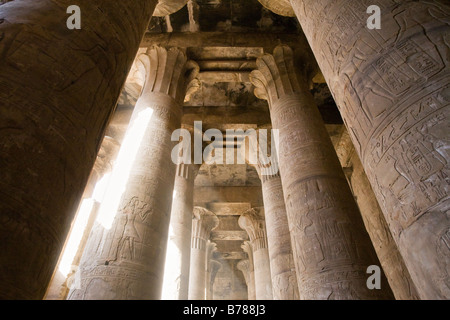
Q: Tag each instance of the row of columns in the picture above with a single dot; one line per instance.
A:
(391, 86)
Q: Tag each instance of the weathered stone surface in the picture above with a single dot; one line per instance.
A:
(178, 256)
(126, 260)
(332, 250)
(392, 88)
(392, 262)
(58, 89)
(281, 7)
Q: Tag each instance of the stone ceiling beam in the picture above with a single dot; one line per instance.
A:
(224, 39)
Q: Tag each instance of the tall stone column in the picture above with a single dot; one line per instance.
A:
(252, 221)
(332, 250)
(125, 258)
(390, 258)
(249, 269)
(178, 256)
(282, 267)
(58, 90)
(392, 89)
(203, 223)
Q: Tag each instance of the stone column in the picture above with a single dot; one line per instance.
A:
(252, 221)
(392, 89)
(83, 222)
(58, 90)
(125, 257)
(282, 267)
(215, 267)
(332, 250)
(178, 256)
(390, 258)
(203, 223)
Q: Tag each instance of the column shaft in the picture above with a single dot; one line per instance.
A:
(332, 250)
(125, 259)
(202, 224)
(178, 257)
(253, 222)
(284, 279)
(392, 88)
(58, 89)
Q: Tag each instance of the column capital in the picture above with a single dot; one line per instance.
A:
(247, 247)
(168, 71)
(276, 75)
(253, 222)
(167, 7)
(203, 223)
(245, 266)
(280, 7)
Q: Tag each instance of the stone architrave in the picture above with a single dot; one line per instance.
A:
(203, 223)
(331, 248)
(248, 268)
(125, 260)
(58, 90)
(252, 221)
(392, 88)
(178, 256)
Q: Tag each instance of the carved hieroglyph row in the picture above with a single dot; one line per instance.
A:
(392, 88)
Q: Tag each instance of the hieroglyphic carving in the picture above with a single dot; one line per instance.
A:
(391, 86)
(49, 145)
(326, 229)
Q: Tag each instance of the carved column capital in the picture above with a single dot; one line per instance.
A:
(280, 7)
(167, 7)
(276, 76)
(203, 223)
(245, 267)
(167, 71)
(253, 222)
(247, 247)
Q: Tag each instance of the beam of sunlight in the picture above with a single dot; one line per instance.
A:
(172, 269)
(122, 167)
(75, 236)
